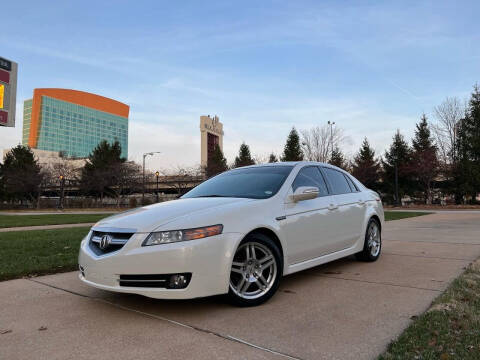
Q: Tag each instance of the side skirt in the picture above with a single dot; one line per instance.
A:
(324, 259)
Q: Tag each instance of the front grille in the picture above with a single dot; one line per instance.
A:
(151, 280)
(117, 240)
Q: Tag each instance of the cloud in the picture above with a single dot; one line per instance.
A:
(177, 148)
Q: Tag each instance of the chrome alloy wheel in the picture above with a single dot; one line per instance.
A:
(254, 270)
(374, 239)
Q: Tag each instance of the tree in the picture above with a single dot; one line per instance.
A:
(317, 142)
(446, 132)
(424, 165)
(244, 157)
(21, 175)
(127, 178)
(366, 167)
(272, 158)
(182, 179)
(448, 115)
(292, 150)
(98, 174)
(338, 159)
(216, 163)
(396, 169)
(60, 173)
(467, 174)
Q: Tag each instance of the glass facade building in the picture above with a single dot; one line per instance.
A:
(73, 122)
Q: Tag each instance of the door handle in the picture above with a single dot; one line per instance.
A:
(361, 202)
(332, 207)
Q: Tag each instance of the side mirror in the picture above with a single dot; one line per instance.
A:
(305, 193)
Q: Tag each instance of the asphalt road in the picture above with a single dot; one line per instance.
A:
(342, 310)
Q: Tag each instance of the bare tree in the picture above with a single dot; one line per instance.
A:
(182, 178)
(448, 115)
(127, 178)
(261, 158)
(318, 142)
(69, 169)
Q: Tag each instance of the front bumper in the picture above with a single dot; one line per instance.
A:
(209, 260)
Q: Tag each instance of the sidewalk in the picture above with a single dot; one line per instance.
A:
(58, 212)
(44, 227)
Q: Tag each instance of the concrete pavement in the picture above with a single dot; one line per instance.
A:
(342, 310)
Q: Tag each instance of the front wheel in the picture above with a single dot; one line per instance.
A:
(256, 271)
(373, 242)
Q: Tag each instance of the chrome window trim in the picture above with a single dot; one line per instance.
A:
(113, 230)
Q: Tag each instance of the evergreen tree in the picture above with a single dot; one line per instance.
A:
(338, 159)
(273, 158)
(292, 150)
(20, 175)
(366, 167)
(396, 168)
(424, 164)
(244, 157)
(99, 172)
(216, 163)
(467, 175)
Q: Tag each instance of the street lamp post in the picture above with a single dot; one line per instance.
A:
(62, 187)
(143, 186)
(157, 174)
(331, 123)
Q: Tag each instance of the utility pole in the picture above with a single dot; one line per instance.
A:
(157, 174)
(143, 186)
(397, 200)
(331, 123)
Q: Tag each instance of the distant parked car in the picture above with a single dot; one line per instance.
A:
(237, 233)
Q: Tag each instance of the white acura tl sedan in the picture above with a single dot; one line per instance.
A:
(237, 233)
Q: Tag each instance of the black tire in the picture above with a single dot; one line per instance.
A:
(262, 241)
(367, 254)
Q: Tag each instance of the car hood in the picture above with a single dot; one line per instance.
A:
(148, 218)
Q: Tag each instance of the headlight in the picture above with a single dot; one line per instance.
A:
(167, 237)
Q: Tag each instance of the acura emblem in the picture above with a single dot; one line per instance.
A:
(105, 242)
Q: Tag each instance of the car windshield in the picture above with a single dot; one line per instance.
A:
(256, 183)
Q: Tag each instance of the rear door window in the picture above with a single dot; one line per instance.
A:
(337, 181)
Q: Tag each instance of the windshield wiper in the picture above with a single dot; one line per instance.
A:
(212, 195)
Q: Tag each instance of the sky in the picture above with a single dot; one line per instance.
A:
(262, 66)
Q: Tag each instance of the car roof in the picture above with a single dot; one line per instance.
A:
(288, 163)
(301, 163)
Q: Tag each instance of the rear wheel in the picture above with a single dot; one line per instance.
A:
(256, 271)
(373, 242)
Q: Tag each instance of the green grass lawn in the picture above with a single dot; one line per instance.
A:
(39, 252)
(397, 215)
(450, 329)
(7, 221)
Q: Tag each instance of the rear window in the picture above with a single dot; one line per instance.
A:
(351, 183)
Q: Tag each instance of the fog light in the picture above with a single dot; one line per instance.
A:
(178, 281)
